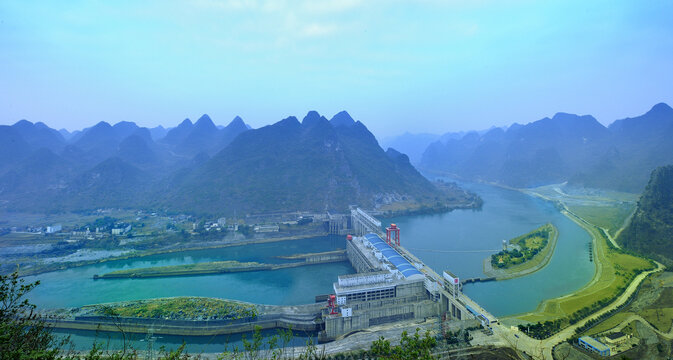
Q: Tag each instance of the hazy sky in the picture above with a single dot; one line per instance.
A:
(424, 66)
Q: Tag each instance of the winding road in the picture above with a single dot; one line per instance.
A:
(542, 349)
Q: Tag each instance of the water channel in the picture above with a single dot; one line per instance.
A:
(458, 241)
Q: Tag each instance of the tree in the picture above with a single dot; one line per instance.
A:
(23, 333)
(410, 347)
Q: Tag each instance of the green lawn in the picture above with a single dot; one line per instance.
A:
(609, 216)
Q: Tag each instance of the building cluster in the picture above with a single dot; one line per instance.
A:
(609, 344)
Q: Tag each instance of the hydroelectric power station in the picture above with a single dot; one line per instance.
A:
(390, 285)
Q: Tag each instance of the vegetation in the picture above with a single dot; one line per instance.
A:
(23, 334)
(410, 347)
(526, 247)
(181, 308)
(651, 229)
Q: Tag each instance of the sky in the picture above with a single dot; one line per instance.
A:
(397, 66)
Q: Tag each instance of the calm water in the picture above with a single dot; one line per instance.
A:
(75, 287)
(458, 241)
(440, 241)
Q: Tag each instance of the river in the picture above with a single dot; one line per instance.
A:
(460, 240)
(457, 240)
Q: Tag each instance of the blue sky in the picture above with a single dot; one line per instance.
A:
(424, 66)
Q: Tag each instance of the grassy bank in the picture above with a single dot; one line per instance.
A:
(615, 269)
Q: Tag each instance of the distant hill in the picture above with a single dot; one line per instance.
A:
(566, 147)
(317, 164)
(189, 139)
(413, 145)
(651, 229)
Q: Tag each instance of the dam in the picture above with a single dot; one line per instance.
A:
(390, 285)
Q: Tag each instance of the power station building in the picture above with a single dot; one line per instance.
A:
(387, 288)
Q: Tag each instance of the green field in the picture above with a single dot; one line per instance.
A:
(610, 217)
(189, 308)
(603, 208)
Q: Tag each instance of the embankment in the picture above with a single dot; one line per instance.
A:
(221, 267)
(297, 318)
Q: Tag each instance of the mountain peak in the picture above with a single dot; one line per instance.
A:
(204, 121)
(102, 125)
(313, 118)
(660, 108)
(342, 119)
(310, 117)
(22, 122)
(237, 121)
(186, 122)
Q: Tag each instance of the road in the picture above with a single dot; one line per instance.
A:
(542, 349)
(634, 317)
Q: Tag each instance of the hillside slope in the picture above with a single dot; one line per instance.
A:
(651, 229)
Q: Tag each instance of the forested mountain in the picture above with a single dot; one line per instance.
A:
(315, 164)
(651, 229)
(565, 147)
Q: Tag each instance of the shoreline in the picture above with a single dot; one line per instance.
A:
(533, 269)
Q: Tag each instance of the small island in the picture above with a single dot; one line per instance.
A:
(524, 254)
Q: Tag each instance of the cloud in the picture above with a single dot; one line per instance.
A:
(331, 6)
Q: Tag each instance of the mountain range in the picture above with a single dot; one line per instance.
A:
(315, 164)
(566, 147)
